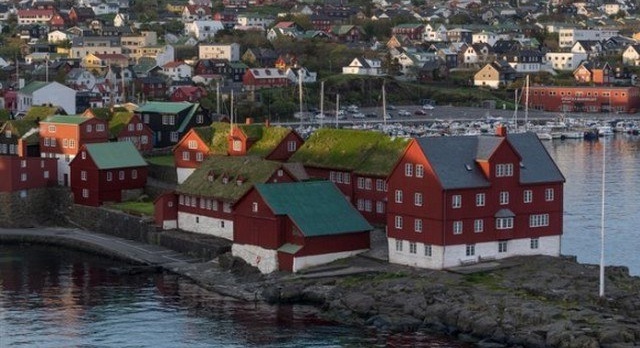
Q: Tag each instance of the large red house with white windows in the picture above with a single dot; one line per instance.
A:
(357, 161)
(222, 139)
(459, 200)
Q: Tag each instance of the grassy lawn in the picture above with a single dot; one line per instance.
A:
(134, 207)
(162, 160)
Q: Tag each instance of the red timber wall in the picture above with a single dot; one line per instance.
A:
(165, 207)
(183, 146)
(281, 152)
(585, 99)
(261, 228)
(23, 173)
(136, 135)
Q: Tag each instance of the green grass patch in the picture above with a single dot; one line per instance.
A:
(167, 160)
(134, 208)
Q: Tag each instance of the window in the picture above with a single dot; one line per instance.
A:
(332, 176)
(367, 205)
(535, 243)
(398, 222)
(398, 196)
(428, 250)
(145, 118)
(417, 199)
(478, 225)
(134, 174)
(380, 207)
(109, 176)
(539, 220)
(121, 175)
(480, 199)
(419, 171)
(89, 128)
(199, 157)
(398, 245)
(368, 183)
(339, 177)
(456, 201)
(504, 197)
(46, 174)
(85, 193)
(504, 223)
(174, 137)
(237, 145)
(457, 227)
(346, 177)
(130, 127)
(413, 248)
(23, 177)
(202, 204)
(72, 143)
(360, 204)
(144, 139)
(548, 194)
(417, 225)
(192, 144)
(65, 143)
(51, 129)
(193, 201)
(226, 207)
(46, 142)
(254, 207)
(379, 185)
(408, 169)
(504, 169)
(214, 205)
(185, 155)
(528, 196)
(502, 246)
(470, 250)
(138, 126)
(181, 200)
(23, 164)
(83, 175)
(360, 183)
(291, 146)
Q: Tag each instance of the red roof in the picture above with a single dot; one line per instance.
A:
(175, 63)
(194, 9)
(285, 24)
(32, 12)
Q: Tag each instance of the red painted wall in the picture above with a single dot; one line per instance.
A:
(183, 145)
(281, 152)
(78, 133)
(12, 168)
(165, 208)
(132, 132)
(623, 99)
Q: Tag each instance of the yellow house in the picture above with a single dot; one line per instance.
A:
(176, 8)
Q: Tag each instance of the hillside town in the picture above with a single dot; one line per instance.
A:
(94, 92)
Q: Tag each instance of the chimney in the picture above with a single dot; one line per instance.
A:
(249, 120)
(267, 123)
(501, 130)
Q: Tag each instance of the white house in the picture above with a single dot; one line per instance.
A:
(58, 36)
(484, 37)
(363, 66)
(631, 56)
(203, 30)
(568, 36)
(44, 93)
(230, 52)
(178, 70)
(307, 76)
(567, 61)
(435, 34)
(254, 20)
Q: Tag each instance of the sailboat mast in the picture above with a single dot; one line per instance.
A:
(231, 110)
(526, 104)
(384, 105)
(321, 101)
(515, 111)
(218, 97)
(337, 107)
(300, 93)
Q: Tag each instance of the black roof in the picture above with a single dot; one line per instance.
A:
(537, 165)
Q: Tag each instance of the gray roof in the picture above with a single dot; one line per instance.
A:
(454, 159)
(537, 165)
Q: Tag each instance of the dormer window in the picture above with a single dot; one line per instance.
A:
(237, 145)
(211, 176)
(225, 179)
(239, 180)
(7, 134)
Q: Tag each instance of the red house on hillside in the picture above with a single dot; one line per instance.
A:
(107, 172)
(291, 226)
(456, 200)
(62, 137)
(191, 94)
(24, 173)
(358, 162)
(271, 143)
(257, 78)
(125, 126)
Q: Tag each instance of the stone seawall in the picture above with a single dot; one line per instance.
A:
(30, 208)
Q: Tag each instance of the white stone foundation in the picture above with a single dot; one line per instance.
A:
(205, 225)
(266, 260)
(315, 260)
(183, 173)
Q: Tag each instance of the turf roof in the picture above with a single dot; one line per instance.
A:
(118, 121)
(363, 152)
(270, 138)
(215, 136)
(40, 112)
(252, 169)
(66, 119)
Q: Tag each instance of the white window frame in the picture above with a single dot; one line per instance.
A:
(502, 246)
(413, 248)
(457, 227)
(398, 196)
(109, 176)
(417, 199)
(254, 207)
(398, 222)
(478, 225)
(83, 175)
(538, 220)
(408, 169)
(527, 196)
(192, 144)
(419, 171)
(470, 250)
(534, 243)
(549, 195)
(428, 250)
(504, 197)
(456, 201)
(291, 146)
(481, 199)
(505, 223)
(121, 175)
(380, 207)
(380, 185)
(417, 225)
(186, 156)
(399, 245)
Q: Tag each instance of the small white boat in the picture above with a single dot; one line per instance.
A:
(605, 131)
(572, 135)
(544, 136)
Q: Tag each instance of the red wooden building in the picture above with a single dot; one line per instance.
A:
(207, 197)
(455, 200)
(125, 126)
(291, 226)
(271, 143)
(257, 78)
(190, 94)
(165, 210)
(24, 173)
(107, 172)
(358, 162)
(62, 137)
(584, 99)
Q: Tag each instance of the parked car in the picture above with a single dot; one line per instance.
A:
(391, 107)
(427, 107)
(419, 112)
(404, 112)
(358, 115)
(371, 115)
(320, 116)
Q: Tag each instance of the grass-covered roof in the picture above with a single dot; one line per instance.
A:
(363, 152)
(215, 136)
(118, 121)
(20, 128)
(269, 139)
(40, 112)
(265, 138)
(209, 179)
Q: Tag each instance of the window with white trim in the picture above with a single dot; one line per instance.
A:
(379, 185)
(504, 170)
(470, 250)
(534, 244)
(368, 183)
(89, 128)
(214, 205)
(413, 248)
(134, 174)
(85, 193)
(360, 183)
(23, 177)
(527, 196)
(419, 171)
(548, 194)
(131, 127)
(398, 196)
(181, 200)
(380, 207)
(408, 169)
(202, 203)
(428, 250)
(99, 127)
(46, 174)
(192, 144)
(139, 126)
(291, 146)
(367, 205)
(185, 155)
(417, 199)
(174, 137)
(339, 177)
(121, 175)
(398, 222)
(456, 201)
(199, 157)
(346, 177)
(480, 199)
(360, 204)
(51, 128)
(457, 227)
(237, 145)
(417, 225)
(226, 207)
(504, 197)
(478, 225)
(110, 177)
(539, 220)
(505, 223)
(83, 175)
(332, 176)
(65, 143)
(398, 245)
(254, 207)
(502, 246)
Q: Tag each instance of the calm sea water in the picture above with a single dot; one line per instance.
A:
(59, 298)
(581, 163)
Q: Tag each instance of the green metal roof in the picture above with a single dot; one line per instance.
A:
(251, 169)
(290, 248)
(362, 152)
(318, 208)
(188, 118)
(33, 86)
(122, 154)
(67, 119)
(164, 107)
(238, 65)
